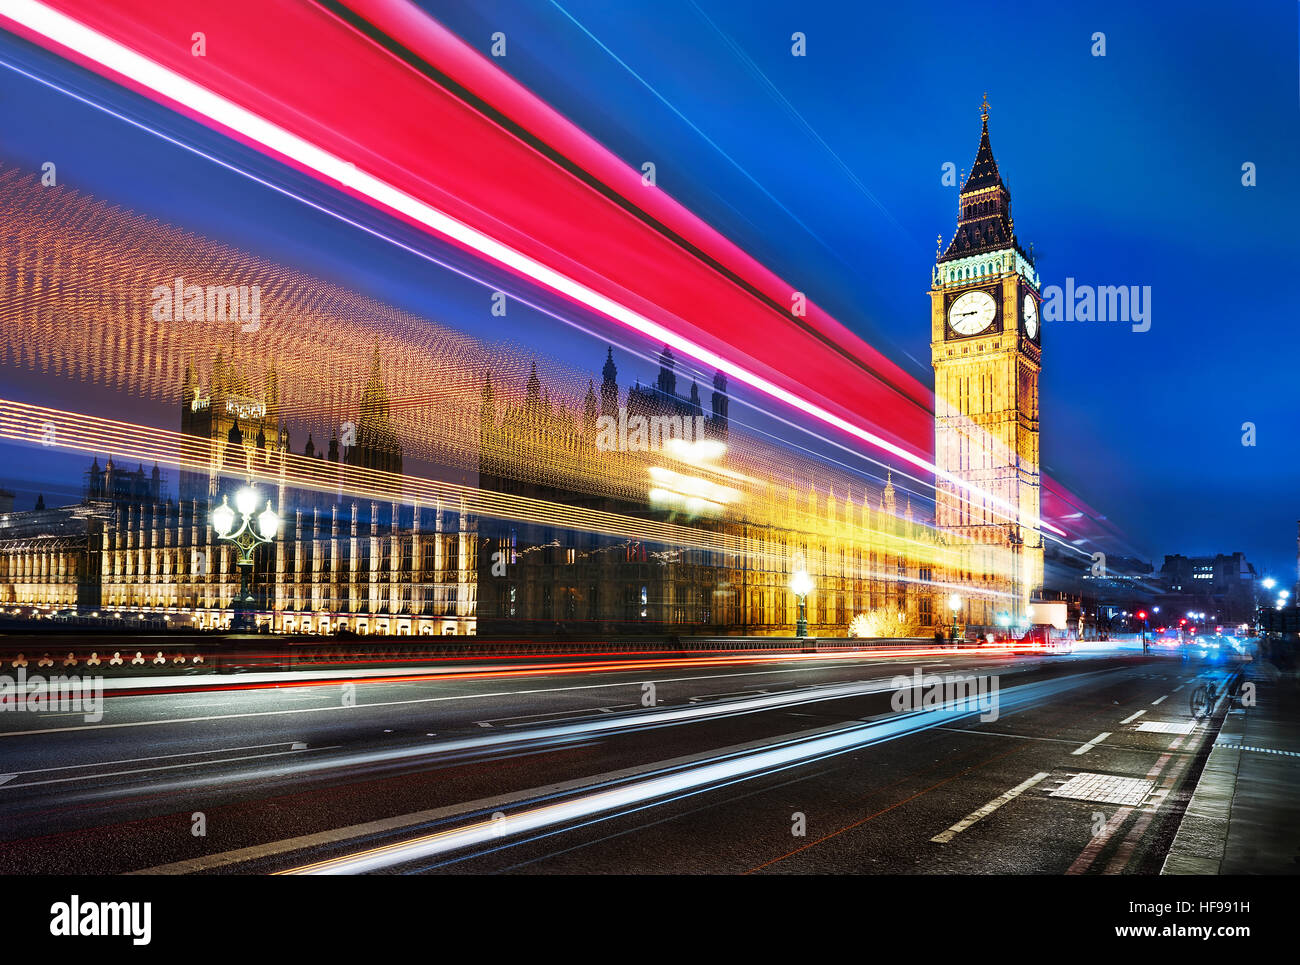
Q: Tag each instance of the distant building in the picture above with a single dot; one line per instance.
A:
(1224, 587)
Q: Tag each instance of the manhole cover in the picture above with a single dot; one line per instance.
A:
(1161, 727)
(1106, 788)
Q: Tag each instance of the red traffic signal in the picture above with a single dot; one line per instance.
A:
(1142, 614)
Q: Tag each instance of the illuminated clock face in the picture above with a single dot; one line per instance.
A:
(1031, 316)
(972, 312)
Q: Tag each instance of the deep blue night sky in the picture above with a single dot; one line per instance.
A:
(1124, 170)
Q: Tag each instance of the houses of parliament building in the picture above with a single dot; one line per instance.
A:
(387, 567)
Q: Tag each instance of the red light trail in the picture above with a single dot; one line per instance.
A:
(496, 165)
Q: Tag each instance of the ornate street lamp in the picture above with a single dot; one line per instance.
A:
(254, 531)
(954, 604)
(1016, 540)
(801, 584)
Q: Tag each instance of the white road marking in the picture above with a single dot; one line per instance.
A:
(540, 718)
(1154, 702)
(571, 715)
(164, 767)
(1257, 750)
(946, 836)
(1091, 744)
(296, 746)
(1132, 717)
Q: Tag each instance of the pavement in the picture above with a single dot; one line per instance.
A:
(1244, 815)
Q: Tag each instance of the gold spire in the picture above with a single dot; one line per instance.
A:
(984, 108)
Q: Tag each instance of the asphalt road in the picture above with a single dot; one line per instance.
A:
(792, 764)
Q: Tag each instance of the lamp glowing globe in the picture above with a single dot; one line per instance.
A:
(223, 518)
(246, 500)
(801, 583)
(268, 523)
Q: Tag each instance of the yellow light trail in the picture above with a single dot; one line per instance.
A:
(41, 425)
(77, 284)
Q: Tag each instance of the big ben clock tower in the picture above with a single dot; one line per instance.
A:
(986, 350)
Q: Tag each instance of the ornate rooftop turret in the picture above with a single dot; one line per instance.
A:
(984, 221)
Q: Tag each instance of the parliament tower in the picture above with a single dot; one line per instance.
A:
(238, 423)
(986, 349)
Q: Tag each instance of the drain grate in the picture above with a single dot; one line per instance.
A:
(1167, 727)
(1106, 788)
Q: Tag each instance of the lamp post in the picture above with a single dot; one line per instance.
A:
(801, 584)
(954, 604)
(1016, 541)
(254, 531)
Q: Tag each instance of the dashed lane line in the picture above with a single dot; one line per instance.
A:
(945, 836)
(1084, 748)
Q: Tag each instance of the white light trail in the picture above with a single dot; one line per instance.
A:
(689, 780)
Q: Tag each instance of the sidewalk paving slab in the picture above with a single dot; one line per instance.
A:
(1244, 816)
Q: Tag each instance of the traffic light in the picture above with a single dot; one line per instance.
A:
(1142, 614)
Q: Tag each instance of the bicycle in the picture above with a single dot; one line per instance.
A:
(1202, 700)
